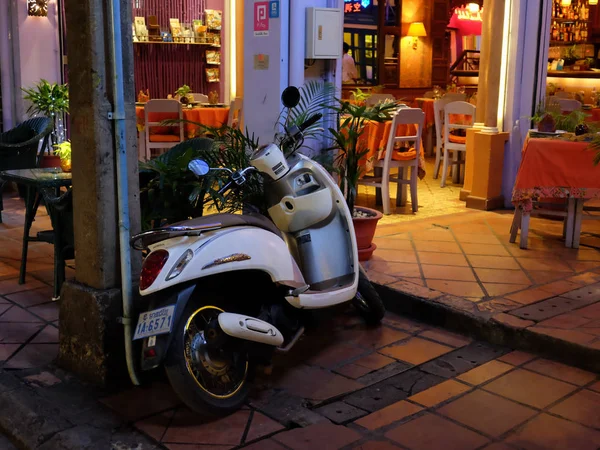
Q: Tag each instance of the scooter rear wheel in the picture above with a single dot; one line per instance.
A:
(208, 377)
(367, 301)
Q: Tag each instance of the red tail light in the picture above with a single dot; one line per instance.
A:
(152, 266)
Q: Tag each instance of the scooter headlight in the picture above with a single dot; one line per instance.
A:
(180, 264)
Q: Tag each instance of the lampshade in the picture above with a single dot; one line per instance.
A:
(565, 2)
(593, 2)
(416, 29)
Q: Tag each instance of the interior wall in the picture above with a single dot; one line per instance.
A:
(415, 65)
(39, 51)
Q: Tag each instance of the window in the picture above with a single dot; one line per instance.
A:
(363, 47)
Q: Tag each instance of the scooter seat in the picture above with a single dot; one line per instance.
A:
(235, 220)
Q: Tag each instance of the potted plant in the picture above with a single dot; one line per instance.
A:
(347, 163)
(359, 96)
(50, 100)
(182, 92)
(63, 151)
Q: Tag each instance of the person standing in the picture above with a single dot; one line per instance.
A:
(349, 73)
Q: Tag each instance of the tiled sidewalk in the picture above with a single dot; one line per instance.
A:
(465, 262)
(402, 385)
(28, 317)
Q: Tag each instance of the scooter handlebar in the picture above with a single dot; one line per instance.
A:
(311, 121)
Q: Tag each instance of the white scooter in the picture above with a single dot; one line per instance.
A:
(225, 291)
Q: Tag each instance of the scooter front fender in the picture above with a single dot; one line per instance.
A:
(178, 296)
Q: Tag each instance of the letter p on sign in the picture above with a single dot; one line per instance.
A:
(261, 16)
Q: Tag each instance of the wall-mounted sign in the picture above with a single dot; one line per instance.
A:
(465, 14)
(274, 9)
(354, 6)
(261, 62)
(261, 19)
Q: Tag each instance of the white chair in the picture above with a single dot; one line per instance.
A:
(378, 98)
(404, 116)
(200, 98)
(563, 94)
(162, 141)
(566, 104)
(235, 113)
(438, 113)
(462, 108)
(455, 97)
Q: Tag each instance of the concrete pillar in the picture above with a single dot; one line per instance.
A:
(495, 29)
(91, 340)
(484, 58)
(265, 66)
(479, 155)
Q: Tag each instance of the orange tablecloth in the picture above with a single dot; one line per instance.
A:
(375, 138)
(555, 168)
(426, 104)
(211, 117)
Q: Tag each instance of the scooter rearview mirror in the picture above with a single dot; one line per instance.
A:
(290, 97)
(198, 167)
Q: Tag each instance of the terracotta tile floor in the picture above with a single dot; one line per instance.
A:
(392, 402)
(402, 385)
(552, 290)
(28, 317)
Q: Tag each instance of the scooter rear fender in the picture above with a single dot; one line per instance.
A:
(227, 250)
(179, 296)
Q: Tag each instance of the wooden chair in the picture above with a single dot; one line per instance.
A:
(567, 210)
(163, 139)
(462, 108)
(200, 98)
(235, 117)
(404, 116)
(438, 113)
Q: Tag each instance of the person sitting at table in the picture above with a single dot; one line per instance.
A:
(349, 73)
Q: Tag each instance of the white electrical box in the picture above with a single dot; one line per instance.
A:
(324, 33)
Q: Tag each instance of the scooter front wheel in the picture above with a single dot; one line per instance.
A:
(207, 373)
(367, 301)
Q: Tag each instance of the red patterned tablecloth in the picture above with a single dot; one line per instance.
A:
(555, 169)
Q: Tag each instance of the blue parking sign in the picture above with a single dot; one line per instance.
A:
(274, 9)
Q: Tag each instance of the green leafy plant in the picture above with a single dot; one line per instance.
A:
(63, 150)
(169, 192)
(350, 148)
(47, 98)
(315, 96)
(183, 91)
(359, 95)
(230, 148)
(50, 100)
(565, 122)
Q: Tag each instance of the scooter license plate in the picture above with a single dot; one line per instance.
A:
(157, 321)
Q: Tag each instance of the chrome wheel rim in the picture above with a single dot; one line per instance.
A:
(219, 373)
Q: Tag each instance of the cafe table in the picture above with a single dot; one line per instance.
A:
(34, 180)
(209, 116)
(554, 170)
